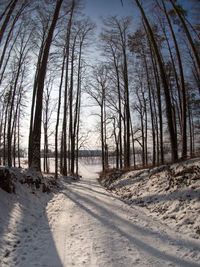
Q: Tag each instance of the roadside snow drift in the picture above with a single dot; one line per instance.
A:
(170, 193)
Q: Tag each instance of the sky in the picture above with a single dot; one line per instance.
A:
(98, 8)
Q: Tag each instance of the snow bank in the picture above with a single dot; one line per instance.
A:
(22, 216)
(170, 193)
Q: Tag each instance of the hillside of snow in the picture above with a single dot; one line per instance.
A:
(170, 193)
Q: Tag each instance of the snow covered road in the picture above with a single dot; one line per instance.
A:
(90, 227)
(84, 225)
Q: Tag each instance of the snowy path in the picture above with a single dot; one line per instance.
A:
(92, 228)
(85, 226)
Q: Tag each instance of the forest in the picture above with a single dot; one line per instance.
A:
(145, 86)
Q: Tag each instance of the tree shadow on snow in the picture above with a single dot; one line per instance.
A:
(110, 217)
(31, 242)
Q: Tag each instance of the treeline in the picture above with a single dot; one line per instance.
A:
(42, 48)
(146, 87)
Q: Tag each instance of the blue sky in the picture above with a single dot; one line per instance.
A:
(97, 8)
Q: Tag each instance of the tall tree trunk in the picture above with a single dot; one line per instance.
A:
(194, 50)
(5, 126)
(182, 84)
(36, 136)
(58, 116)
(64, 170)
(173, 137)
(8, 57)
(5, 10)
(156, 130)
(13, 92)
(116, 144)
(77, 106)
(119, 107)
(127, 110)
(145, 130)
(8, 38)
(78, 127)
(71, 117)
(30, 149)
(102, 139)
(18, 139)
(1, 133)
(159, 109)
(5, 23)
(133, 144)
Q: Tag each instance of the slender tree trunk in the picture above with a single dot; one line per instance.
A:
(71, 117)
(102, 139)
(66, 92)
(5, 23)
(119, 108)
(133, 144)
(36, 136)
(1, 133)
(5, 126)
(61, 153)
(151, 110)
(14, 143)
(9, 134)
(116, 145)
(152, 129)
(9, 34)
(124, 137)
(30, 149)
(58, 116)
(182, 85)
(159, 111)
(77, 107)
(18, 139)
(78, 128)
(156, 130)
(5, 10)
(194, 51)
(127, 108)
(143, 140)
(8, 57)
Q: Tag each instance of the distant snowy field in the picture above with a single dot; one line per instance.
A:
(91, 162)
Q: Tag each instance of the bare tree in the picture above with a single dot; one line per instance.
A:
(98, 91)
(173, 137)
(36, 135)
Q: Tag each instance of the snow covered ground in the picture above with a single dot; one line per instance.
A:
(82, 224)
(170, 193)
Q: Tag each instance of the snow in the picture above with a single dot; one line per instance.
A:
(82, 224)
(168, 193)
